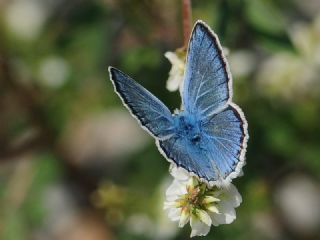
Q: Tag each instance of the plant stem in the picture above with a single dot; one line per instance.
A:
(186, 21)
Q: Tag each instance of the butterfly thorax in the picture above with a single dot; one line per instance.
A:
(188, 127)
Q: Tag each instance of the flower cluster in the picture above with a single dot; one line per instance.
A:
(187, 199)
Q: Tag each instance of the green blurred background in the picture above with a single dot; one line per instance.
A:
(74, 165)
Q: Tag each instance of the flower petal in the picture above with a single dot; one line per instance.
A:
(216, 219)
(174, 214)
(210, 199)
(203, 216)
(192, 184)
(174, 81)
(176, 73)
(232, 195)
(213, 208)
(175, 189)
(198, 227)
(179, 173)
(172, 57)
(227, 214)
(170, 204)
(184, 218)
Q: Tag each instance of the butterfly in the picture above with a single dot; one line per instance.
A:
(208, 136)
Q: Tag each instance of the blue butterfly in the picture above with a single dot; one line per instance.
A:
(208, 137)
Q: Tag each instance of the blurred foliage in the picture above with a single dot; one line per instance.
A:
(68, 172)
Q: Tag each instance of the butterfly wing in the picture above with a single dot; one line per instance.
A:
(227, 136)
(219, 154)
(193, 158)
(151, 113)
(207, 95)
(207, 81)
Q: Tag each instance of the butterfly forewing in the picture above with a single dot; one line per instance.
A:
(149, 110)
(206, 82)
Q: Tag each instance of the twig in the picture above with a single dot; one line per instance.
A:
(8, 153)
(186, 21)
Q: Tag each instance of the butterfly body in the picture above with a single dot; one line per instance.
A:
(209, 136)
(188, 127)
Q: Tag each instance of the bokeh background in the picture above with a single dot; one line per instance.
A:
(74, 165)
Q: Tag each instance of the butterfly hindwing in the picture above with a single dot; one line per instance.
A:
(189, 156)
(227, 135)
(149, 110)
(219, 155)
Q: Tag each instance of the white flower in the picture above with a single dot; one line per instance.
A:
(294, 75)
(26, 18)
(191, 200)
(177, 59)
(242, 63)
(54, 71)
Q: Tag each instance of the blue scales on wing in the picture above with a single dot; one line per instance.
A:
(189, 156)
(226, 133)
(210, 148)
(149, 110)
(206, 82)
(209, 136)
(188, 147)
(211, 131)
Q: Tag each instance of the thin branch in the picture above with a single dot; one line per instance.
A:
(186, 21)
(8, 153)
